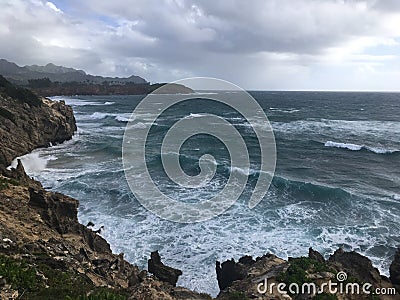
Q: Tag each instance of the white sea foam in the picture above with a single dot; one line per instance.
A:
(288, 111)
(355, 147)
(33, 163)
(195, 115)
(349, 146)
(345, 126)
(80, 102)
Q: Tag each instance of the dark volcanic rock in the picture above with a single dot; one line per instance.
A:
(161, 271)
(57, 210)
(26, 125)
(395, 270)
(228, 272)
(313, 254)
(95, 242)
(358, 266)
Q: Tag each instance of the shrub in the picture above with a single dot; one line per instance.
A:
(17, 273)
(18, 93)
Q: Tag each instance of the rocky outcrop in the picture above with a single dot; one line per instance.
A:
(40, 232)
(229, 271)
(27, 123)
(358, 266)
(313, 254)
(259, 278)
(395, 270)
(161, 271)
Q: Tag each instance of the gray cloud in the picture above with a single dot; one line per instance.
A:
(276, 44)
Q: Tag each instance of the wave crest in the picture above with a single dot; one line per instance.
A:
(356, 147)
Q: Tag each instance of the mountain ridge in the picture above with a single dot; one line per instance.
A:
(21, 75)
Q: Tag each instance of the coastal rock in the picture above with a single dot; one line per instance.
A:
(57, 210)
(313, 254)
(28, 122)
(261, 277)
(228, 272)
(240, 279)
(395, 270)
(357, 265)
(161, 271)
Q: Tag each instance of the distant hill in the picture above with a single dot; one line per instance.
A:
(22, 75)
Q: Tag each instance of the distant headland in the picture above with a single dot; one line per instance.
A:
(53, 80)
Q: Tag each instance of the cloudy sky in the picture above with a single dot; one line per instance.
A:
(257, 44)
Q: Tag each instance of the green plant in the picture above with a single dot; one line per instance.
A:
(17, 273)
(299, 268)
(5, 183)
(21, 94)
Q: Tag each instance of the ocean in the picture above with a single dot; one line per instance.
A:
(337, 180)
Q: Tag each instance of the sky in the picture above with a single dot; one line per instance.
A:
(256, 44)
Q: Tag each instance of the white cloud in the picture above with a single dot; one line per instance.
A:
(279, 44)
(52, 6)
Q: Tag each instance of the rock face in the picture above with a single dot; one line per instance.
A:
(229, 271)
(57, 210)
(395, 270)
(315, 255)
(41, 229)
(161, 271)
(259, 278)
(27, 123)
(357, 265)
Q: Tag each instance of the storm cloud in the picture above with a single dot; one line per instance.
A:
(259, 44)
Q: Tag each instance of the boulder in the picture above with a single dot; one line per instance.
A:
(395, 270)
(161, 271)
(356, 265)
(229, 271)
(313, 254)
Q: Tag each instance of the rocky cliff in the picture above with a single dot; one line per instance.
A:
(28, 122)
(45, 253)
(343, 276)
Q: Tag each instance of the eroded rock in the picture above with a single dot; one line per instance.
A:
(161, 271)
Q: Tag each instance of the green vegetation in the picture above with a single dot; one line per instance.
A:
(39, 83)
(299, 268)
(5, 183)
(18, 93)
(18, 274)
(40, 281)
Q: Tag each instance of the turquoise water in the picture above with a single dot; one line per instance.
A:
(337, 181)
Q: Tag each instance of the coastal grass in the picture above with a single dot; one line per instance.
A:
(18, 274)
(41, 281)
(18, 93)
(6, 182)
(298, 270)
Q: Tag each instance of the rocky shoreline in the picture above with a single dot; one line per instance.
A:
(45, 253)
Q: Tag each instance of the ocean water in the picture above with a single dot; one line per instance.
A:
(337, 180)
